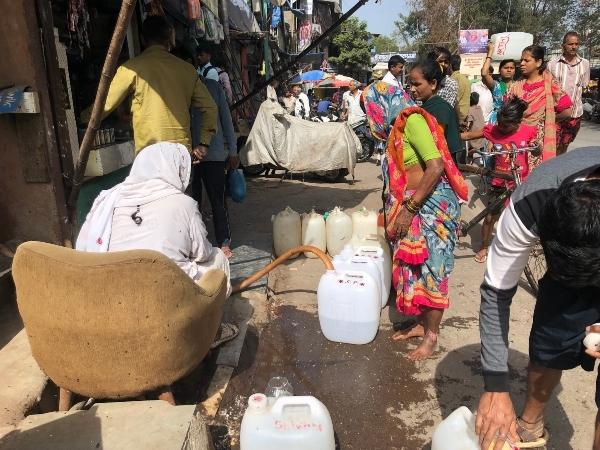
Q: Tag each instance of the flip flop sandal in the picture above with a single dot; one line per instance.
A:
(479, 259)
(226, 333)
(531, 438)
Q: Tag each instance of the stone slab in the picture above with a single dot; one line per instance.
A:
(21, 380)
(148, 425)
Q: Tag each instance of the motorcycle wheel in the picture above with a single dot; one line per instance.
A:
(586, 116)
(332, 176)
(254, 171)
(368, 148)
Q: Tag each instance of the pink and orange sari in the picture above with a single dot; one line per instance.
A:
(545, 98)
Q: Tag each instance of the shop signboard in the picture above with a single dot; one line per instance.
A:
(472, 41)
(385, 57)
(11, 99)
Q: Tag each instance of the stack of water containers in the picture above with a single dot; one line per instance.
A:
(351, 296)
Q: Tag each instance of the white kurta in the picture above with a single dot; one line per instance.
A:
(172, 226)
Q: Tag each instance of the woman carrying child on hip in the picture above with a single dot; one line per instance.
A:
(508, 131)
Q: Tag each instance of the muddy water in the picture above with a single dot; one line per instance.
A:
(364, 387)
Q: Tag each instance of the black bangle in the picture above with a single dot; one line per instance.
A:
(488, 57)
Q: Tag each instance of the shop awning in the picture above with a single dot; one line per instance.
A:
(241, 17)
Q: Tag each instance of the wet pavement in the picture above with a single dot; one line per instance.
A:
(362, 386)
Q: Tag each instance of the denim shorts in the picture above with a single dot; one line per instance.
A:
(559, 322)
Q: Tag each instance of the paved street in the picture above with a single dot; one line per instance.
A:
(377, 398)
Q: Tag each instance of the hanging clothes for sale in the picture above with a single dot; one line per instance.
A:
(213, 28)
(276, 17)
(78, 19)
(194, 9)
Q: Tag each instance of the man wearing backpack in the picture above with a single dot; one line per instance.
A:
(205, 68)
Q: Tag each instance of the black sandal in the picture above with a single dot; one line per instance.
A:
(227, 332)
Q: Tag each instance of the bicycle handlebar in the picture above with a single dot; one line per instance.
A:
(511, 151)
(484, 171)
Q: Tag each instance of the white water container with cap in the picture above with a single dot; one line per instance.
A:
(289, 423)
(457, 432)
(364, 223)
(383, 263)
(313, 232)
(349, 306)
(287, 231)
(349, 260)
(510, 45)
(339, 231)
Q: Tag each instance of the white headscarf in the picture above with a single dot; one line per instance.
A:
(159, 170)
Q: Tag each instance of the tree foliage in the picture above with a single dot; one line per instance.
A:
(431, 22)
(352, 43)
(384, 44)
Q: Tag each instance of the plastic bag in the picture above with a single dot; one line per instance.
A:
(237, 185)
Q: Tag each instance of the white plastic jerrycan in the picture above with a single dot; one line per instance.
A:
(349, 260)
(287, 231)
(349, 306)
(339, 231)
(289, 423)
(457, 432)
(313, 232)
(384, 264)
(510, 45)
(364, 223)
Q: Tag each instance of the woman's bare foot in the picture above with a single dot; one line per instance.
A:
(425, 348)
(415, 330)
(227, 251)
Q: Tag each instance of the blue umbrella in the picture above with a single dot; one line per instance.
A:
(312, 75)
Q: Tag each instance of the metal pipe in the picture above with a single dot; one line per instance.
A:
(108, 72)
(306, 51)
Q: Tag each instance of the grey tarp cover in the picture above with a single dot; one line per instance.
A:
(298, 145)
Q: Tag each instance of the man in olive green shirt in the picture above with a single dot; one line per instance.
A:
(463, 100)
(163, 87)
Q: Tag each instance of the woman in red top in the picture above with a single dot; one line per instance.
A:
(508, 131)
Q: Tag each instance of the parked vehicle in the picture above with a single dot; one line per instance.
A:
(366, 140)
(591, 110)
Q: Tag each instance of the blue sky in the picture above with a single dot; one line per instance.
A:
(380, 16)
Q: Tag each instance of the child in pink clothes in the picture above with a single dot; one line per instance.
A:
(508, 131)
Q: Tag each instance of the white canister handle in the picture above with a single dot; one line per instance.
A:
(309, 401)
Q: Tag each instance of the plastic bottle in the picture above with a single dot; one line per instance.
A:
(339, 231)
(287, 231)
(349, 306)
(457, 432)
(313, 232)
(290, 423)
(364, 223)
(510, 45)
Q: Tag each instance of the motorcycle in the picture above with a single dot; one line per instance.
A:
(367, 141)
(591, 110)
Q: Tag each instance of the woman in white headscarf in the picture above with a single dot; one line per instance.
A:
(149, 210)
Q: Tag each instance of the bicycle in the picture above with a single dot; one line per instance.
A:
(536, 265)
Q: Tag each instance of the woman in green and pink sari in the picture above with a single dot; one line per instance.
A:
(422, 188)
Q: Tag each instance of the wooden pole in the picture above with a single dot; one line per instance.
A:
(108, 72)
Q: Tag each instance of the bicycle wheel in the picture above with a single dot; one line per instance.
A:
(536, 267)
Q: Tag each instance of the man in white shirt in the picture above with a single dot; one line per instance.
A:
(573, 74)
(395, 69)
(353, 113)
(205, 68)
(302, 105)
